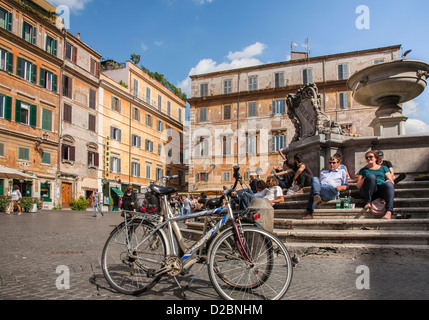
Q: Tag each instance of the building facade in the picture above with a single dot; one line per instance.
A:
(30, 70)
(141, 132)
(240, 116)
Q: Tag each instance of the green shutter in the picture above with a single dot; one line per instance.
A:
(19, 66)
(9, 62)
(8, 108)
(54, 50)
(18, 111)
(33, 78)
(42, 81)
(34, 35)
(33, 116)
(9, 21)
(47, 120)
(54, 83)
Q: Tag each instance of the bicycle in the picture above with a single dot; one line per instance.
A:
(244, 261)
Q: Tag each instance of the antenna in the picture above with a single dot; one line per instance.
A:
(306, 45)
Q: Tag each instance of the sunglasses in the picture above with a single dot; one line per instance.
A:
(369, 157)
(333, 162)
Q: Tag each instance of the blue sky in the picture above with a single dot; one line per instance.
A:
(179, 37)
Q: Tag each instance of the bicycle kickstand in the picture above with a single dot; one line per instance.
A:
(181, 288)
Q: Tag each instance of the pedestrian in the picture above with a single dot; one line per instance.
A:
(129, 199)
(16, 196)
(274, 193)
(327, 187)
(96, 203)
(180, 205)
(186, 205)
(389, 166)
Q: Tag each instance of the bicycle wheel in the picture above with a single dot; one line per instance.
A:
(266, 276)
(128, 263)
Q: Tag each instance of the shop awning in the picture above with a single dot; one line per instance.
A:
(118, 192)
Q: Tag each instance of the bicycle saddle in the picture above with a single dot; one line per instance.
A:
(214, 203)
(162, 191)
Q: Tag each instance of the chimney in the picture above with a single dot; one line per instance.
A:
(298, 55)
(78, 36)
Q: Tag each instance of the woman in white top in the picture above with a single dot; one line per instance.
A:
(16, 197)
(275, 193)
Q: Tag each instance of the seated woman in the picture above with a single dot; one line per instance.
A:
(245, 196)
(298, 174)
(375, 181)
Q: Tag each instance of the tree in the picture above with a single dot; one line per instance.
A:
(135, 58)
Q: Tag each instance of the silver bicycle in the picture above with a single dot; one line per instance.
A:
(244, 261)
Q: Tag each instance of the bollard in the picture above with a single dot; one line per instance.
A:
(266, 210)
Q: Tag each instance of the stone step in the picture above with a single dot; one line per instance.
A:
(355, 236)
(359, 213)
(348, 224)
(399, 203)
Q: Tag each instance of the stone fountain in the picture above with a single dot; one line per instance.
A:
(388, 85)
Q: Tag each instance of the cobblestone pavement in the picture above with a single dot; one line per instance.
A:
(33, 246)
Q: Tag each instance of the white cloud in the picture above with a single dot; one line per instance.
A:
(74, 5)
(416, 126)
(143, 47)
(201, 2)
(237, 59)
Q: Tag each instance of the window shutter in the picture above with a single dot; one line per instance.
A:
(8, 108)
(119, 165)
(34, 35)
(74, 54)
(70, 88)
(72, 153)
(42, 80)
(47, 120)
(111, 132)
(33, 73)
(9, 62)
(9, 21)
(33, 115)
(19, 67)
(54, 49)
(54, 83)
(18, 111)
(96, 159)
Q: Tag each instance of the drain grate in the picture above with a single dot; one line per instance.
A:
(66, 252)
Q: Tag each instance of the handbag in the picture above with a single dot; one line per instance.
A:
(378, 207)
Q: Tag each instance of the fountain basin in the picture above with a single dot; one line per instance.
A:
(390, 82)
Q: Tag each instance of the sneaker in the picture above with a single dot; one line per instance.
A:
(317, 199)
(401, 177)
(308, 215)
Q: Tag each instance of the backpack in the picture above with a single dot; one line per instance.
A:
(152, 203)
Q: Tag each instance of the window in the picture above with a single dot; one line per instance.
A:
(226, 144)
(253, 83)
(116, 164)
(343, 71)
(377, 61)
(159, 102)
(227, 86)
(51, 45)
(26, 113)
(6, 61)
(91, 123)
(204, 90)
(26, 70)
(279, 106)
(344, 100)
(251, 145)
(135, 169)
(48, 80)
(93, 159)
(23, 154)
(135, 88)
(6, 20)
(136, 114)
(115, 133)
(160, 126)
(1, 149)
(136, 141)
(252, 109)
(227, 112)
(159, 149)
(203, 114)
(149, 120)
(279, 79)
(204, 176)
(71, 52)
(180, 115)
(149, 145)
(148, 171)
(169, 108)
(278, 143)
(159, 173)
(67, 87)
(227, 176)
(68, 153)
(47, 119)
(92, 98)
(307, 76)
(45, 157)
(67, 116)
(5, 107)
(2, 103)
(148, 95)
(202, 148)
(116, 104)
(29, 33)
(95, 68)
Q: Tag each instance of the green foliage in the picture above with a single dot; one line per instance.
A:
(160, 78)
(4, 203)
(79, 205)
(135, 58)
(26, 203)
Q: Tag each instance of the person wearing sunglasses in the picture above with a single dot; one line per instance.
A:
(327, 187)
(375, 181)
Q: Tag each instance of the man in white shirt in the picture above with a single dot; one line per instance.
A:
(328, 187)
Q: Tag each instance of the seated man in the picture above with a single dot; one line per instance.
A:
(328, 187)
(389, 166)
